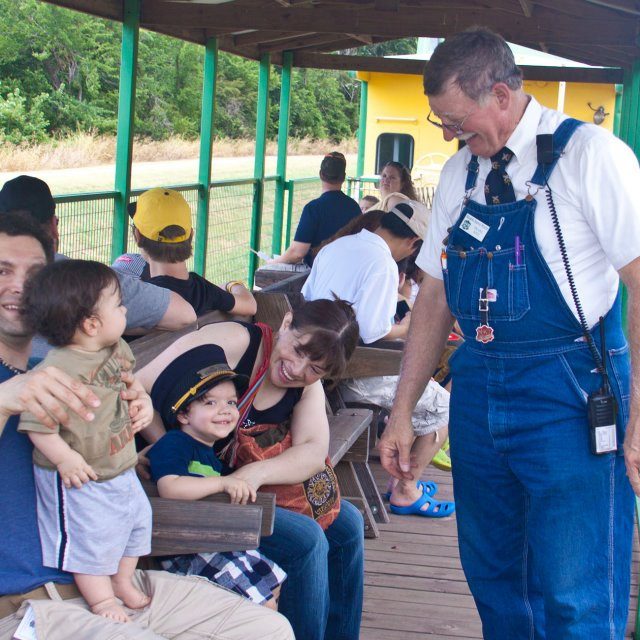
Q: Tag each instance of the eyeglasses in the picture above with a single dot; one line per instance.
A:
(456, 129)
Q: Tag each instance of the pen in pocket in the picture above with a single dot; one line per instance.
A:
(518, 254)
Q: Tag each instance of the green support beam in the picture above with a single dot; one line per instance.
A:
(283, 137)
(362, 131)
(259, 162)
(629, 131)
(291, 189)
(126, 118)
(206, 146)
(362, 126)
(617, 111)
(630, 124)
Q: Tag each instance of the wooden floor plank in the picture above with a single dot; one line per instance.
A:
(414, 584)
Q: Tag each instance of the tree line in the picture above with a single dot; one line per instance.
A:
(59, 74)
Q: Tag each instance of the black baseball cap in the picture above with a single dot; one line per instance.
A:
(29, 194)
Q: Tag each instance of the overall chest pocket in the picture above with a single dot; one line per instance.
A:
(467, 273)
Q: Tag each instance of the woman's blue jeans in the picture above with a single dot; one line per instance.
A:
(322, 596)
(545, 526)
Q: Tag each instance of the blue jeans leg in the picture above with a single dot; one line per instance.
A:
(322, 596)
(545, 526)
(346, 574)
(299, 546)
(491, 514)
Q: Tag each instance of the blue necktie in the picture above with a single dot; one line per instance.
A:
(498, 188)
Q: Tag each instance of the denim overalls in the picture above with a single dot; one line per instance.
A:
(544, 526)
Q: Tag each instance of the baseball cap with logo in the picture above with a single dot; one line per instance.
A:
(414, 214)
(158, 209)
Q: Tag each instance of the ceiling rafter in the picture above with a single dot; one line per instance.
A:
(597, 32)
(416, 67)
(371, 22)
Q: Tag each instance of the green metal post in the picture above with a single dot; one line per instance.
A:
(126, 116)
(630, 125)
(259, 161)
(206, 144)
(290, 188)
(362, 130)
(617, 110)
(630, 133)
(283, 136)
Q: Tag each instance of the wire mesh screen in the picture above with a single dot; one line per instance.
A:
(86, 225)
(230, 208)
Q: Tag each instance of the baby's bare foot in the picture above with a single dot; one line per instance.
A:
(130, 595)
(111, 610)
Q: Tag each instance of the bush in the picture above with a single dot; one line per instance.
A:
(22, 123)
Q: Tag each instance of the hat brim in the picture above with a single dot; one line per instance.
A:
(204, 385)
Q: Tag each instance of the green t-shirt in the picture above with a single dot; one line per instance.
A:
(106, 443)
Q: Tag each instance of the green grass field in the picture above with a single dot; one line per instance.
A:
(153, 174)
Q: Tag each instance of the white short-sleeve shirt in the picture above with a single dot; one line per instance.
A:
(360, 270)
(593, 187)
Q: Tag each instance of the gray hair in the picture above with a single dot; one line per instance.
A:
(475, 60)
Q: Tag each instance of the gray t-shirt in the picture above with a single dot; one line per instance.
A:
(145, 303)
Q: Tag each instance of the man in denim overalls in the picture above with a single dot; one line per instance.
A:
(545, 526)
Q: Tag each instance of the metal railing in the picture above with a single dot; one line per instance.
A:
(87, 220)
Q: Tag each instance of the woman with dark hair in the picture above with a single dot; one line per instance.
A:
(322, 597)
(395, 177)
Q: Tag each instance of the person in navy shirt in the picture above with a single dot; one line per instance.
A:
(178, 606)
(324, 216)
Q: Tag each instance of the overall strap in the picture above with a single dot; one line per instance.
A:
(561, 137)
(472, 174)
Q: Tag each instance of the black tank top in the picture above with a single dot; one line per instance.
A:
(280, 411)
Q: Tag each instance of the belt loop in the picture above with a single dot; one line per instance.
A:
(52, 592)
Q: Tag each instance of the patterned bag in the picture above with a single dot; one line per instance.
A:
(319, 496)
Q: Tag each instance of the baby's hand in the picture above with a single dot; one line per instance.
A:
(141, 412)
(75, 471)
(240, 491)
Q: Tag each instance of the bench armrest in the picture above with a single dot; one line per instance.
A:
(201, 526)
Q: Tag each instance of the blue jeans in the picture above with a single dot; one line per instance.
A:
(545, 526)
(322, 596)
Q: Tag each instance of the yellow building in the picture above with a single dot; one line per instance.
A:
(397, 127)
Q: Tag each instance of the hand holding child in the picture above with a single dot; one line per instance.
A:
(141, 412)
(240, 491)
(74, 470)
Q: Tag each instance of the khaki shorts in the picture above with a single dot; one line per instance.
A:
(182, 608)
(430, 414)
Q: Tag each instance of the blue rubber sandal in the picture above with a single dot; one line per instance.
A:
(434, 510)
(428, 486)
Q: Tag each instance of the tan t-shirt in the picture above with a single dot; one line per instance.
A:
(106, 443)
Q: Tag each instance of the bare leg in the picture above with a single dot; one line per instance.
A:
(273, 603)
(405, 492)
(98, 593)
(123, 585)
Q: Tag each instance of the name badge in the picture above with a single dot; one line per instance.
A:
(474, 227)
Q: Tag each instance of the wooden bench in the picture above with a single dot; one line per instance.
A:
(207, 525)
